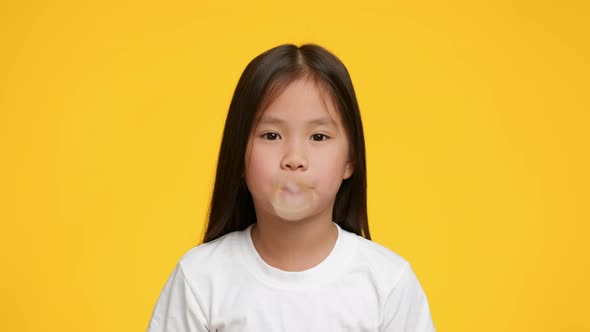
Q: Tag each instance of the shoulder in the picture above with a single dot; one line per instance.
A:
(385, 265)
(212, 256)
(404, 305)
(377, 254)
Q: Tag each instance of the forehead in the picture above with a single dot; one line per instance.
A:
(302, 101)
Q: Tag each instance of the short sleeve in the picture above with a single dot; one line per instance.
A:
(406, 308)
(177, 308)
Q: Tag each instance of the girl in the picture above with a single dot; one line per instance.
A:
(287, 245)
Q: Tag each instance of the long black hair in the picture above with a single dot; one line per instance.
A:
(232, 208)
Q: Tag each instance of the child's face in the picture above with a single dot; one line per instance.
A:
(297, 156)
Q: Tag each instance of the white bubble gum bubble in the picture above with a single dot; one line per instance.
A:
(292, 199)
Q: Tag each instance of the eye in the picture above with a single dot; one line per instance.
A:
(319, 137)
(270, 136)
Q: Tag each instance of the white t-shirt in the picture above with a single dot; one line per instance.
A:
(224, 285)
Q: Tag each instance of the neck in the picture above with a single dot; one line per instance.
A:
(294, 245)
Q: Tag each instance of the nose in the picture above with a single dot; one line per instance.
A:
(294, 158)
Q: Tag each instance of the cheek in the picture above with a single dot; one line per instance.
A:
(330, 169)
(258, 167)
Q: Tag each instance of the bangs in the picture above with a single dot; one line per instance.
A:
(278, 85)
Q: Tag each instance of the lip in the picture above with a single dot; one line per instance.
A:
(289, 193)
(288, 197)
(292, 188)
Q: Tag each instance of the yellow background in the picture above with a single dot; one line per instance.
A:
(476, 117)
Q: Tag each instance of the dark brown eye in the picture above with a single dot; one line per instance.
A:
(270, 136)
(319, 137)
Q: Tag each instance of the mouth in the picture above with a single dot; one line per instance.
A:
(292, 199)
(292, 187)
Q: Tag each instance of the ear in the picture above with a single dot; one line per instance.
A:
(348, 170)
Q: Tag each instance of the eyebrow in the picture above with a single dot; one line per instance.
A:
(269, 119)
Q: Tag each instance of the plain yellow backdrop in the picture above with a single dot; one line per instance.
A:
(476, 116)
